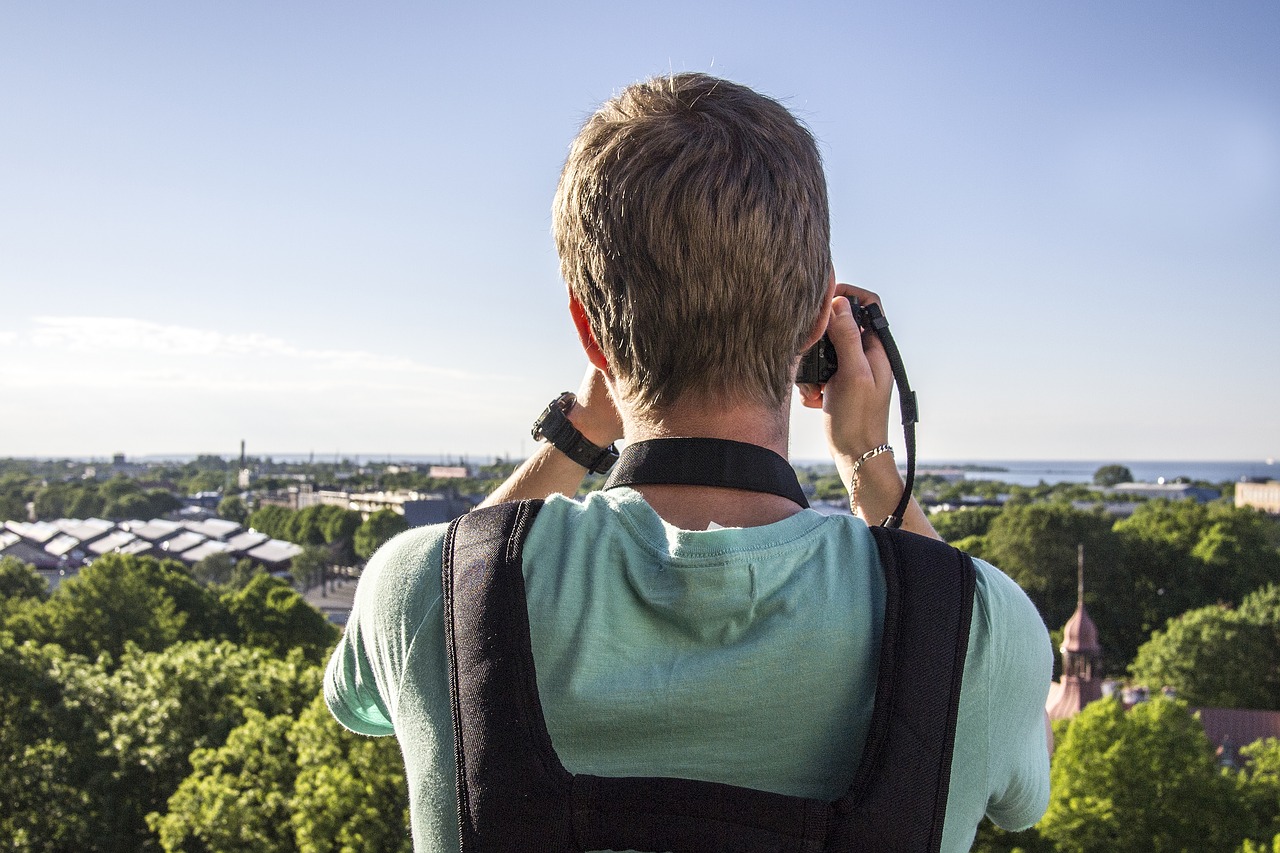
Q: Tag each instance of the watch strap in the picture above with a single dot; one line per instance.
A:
(554, 426)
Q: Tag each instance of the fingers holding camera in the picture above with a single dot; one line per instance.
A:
(856, 399)
(855, 402)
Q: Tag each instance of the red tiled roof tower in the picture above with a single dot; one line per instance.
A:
(1080, 655)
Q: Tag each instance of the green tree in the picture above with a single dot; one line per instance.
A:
(122, 599)
(306, 526)
(158, 707)
(214, 569)
(1259, 782)
(233, 508)
(350, 792)
(282, 784)
(1183, 555)
(339, 527)
(274, 521)
(957, 524)
(1216, 656)
(309, 568)
(19, 583)
(87, 503)
(1036, 544)
(49, 755)
(15, 491)
(237, 796)
(271, 615)
(1142, 780)
(51, 501)
(1112, 475)
(203, 481)
(376, 530)
(244, 573)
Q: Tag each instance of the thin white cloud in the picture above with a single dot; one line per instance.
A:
(104, 382)
(123, 334)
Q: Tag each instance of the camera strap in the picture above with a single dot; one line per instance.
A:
(706, 462)
(875, 320)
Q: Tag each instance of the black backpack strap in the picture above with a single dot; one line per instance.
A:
(492, 678)
(906, 764)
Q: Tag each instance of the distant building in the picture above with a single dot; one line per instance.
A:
(1118, 509)
(1263, 496)
(418, 508)
(435, 509)
(1168, 491)
(448, 472)
(59, 549)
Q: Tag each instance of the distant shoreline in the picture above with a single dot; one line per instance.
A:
(1027, 472)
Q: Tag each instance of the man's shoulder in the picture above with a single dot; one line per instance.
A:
(406, 568)
(1005, 603)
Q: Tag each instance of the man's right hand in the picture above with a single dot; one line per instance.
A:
(855, 404)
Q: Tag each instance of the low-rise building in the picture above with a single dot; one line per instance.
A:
(1167, 491)
(1263, 496)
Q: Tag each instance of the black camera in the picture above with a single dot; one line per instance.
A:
(820, 362)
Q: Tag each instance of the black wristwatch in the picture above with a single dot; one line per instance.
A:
(554, 426)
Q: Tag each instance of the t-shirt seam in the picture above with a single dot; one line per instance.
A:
(438, 602)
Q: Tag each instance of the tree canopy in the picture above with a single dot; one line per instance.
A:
(1141, 780)
(122, 599)
(1218, 656)
(376, 530)
(288, 783)
(1112, 475)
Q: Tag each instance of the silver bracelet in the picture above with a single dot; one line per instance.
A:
(853, 474)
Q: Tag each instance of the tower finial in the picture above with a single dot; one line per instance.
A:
(1080, 574)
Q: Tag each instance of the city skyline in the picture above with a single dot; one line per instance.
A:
(326, 229)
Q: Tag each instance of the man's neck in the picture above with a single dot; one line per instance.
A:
(696, 507)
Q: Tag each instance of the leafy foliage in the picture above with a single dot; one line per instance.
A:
(1217, 656)
(155, 708)
(376, 530)
(350, 792)
(233, 508)
(19, 583)
(122, 599)
(237, 796)
(286, 784)
(957, 524)
(270, 614)
(1140, 780)
(1036, 544)
(1183, 555)
(49, 762)
(1112, 475)
(118, 498)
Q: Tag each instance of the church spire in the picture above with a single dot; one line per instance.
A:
(1081, 653)
(1080, 576)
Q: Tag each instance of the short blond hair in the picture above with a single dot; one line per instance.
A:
(692, 225)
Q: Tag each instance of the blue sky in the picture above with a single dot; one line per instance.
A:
(325, 227)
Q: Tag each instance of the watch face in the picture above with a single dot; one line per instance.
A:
(552, 417)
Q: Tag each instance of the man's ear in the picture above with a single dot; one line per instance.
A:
(824, 316)
(587, 337)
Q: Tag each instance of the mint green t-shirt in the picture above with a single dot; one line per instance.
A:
(745, 656)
